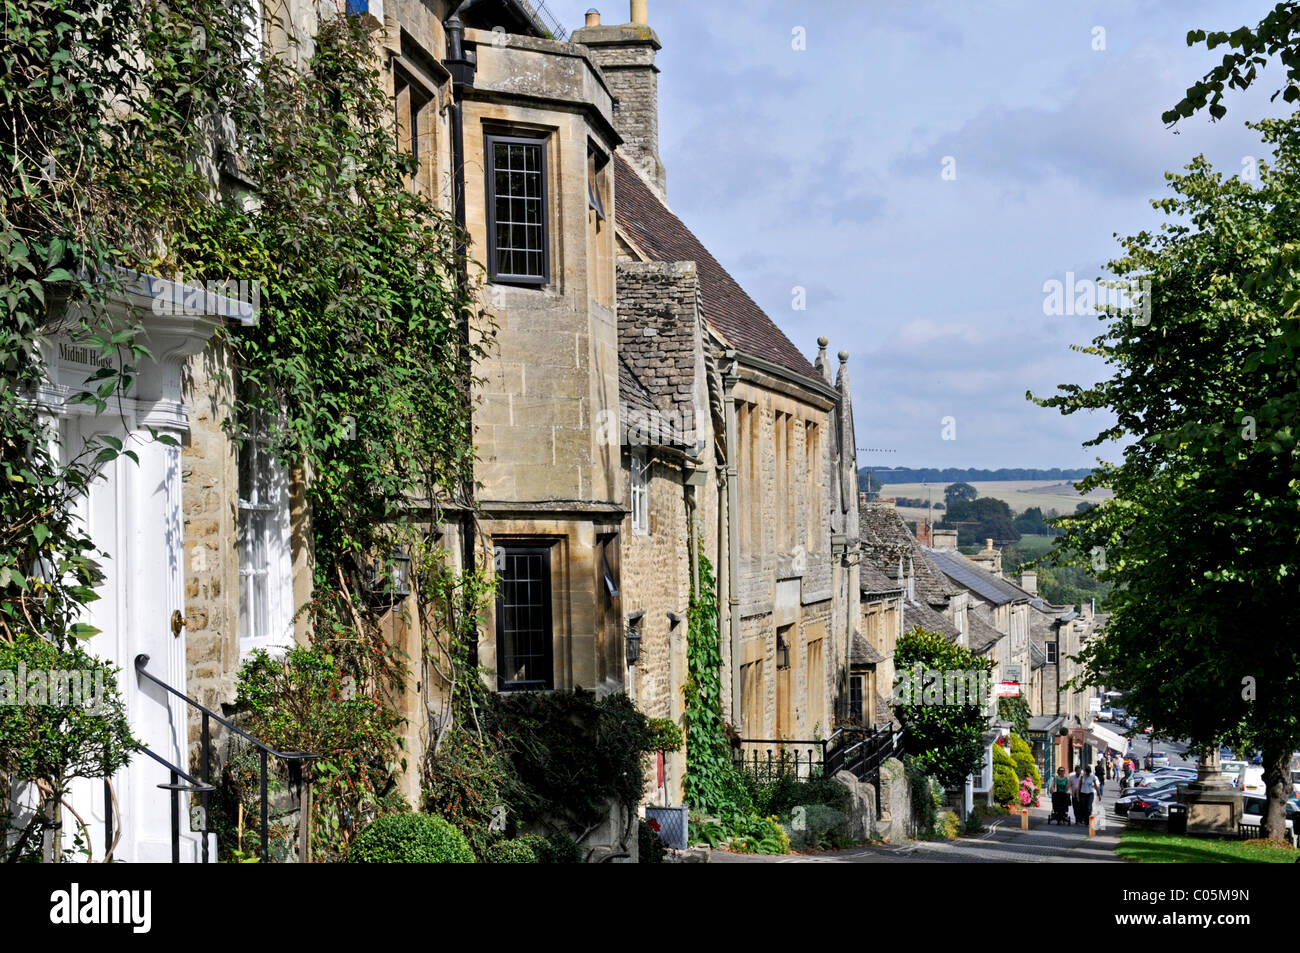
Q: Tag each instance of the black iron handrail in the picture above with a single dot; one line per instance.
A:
(175, 787)
(264, 750)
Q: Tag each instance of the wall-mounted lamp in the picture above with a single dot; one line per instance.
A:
(397, 586)
(634, 636)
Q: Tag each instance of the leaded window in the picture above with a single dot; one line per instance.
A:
(523, 610)
(516, 205)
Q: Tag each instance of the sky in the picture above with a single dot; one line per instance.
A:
(922, 169)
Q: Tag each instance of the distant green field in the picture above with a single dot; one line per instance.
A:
(1020, 495)
(1031, 547)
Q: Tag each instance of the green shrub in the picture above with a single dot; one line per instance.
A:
(1000, 756)
(559, 849)
(465, 782)
(922, 788)
(1006, 786)
(818, 825)
(410, 839)
(788, 791)
(1022, 757)
(520, 850)
(948, 825)
(758, 835)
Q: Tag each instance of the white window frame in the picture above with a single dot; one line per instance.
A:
(264, 528)
(639, 484)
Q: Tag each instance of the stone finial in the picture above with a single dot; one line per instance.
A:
(844, 357)
(593, 17)
(822, 364)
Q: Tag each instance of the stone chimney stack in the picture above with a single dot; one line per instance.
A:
(1029, 582)
(945, 539)
(989, 558)
(923, 535)
(626, 55)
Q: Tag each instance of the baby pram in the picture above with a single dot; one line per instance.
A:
(1060, 808)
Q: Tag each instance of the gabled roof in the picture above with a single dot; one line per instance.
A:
(728, 309)
(862, 652)
(968, 575)
(872, 580)
(885, 538)
(918, 613)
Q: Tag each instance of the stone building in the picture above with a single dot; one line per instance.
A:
(751, 452)
(638, 412)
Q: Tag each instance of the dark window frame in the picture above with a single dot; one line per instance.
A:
(504, 663)
(540, 142)
(857, 682)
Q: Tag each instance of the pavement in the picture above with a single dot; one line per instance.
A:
(1003, 842)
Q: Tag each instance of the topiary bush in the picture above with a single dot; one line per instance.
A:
(520, 850)
(1022, 758)
(410, 839)
(1006, 786)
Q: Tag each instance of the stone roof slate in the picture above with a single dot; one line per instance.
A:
(885, 537)
(970, 575)
(726, 306)
(630, 389)
(918, 613)
(862, 652)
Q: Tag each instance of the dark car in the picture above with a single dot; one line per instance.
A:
(1146, 800)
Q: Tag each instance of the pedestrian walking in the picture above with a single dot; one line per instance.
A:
(1060, 788)
(1087, 788)
(1101, 777)
(1075, 778)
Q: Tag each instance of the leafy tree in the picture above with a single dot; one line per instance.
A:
(947, 737)
(1032, 522)
(1277, 34)
(1200, 538)
(49, 738)
(959, 491)
(981, 519)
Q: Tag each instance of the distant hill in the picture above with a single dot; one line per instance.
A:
(955, 475)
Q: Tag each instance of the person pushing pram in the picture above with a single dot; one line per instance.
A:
(1060, 789)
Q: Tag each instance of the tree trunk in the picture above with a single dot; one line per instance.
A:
(1277, 789)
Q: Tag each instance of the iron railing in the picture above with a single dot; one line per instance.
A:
(767, 759)
(193, 785)
(205, 787)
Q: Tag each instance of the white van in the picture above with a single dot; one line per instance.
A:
(1230, 771)
(1252, 780)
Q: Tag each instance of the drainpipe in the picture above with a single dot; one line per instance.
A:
(461, 65)
(729, 381)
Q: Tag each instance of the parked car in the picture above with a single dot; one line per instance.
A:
(1252, 811)
(1147, 799)
(1156, 759)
